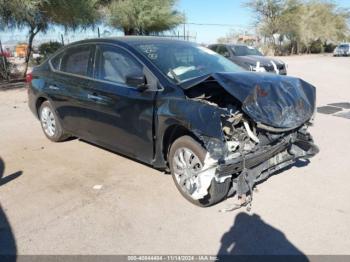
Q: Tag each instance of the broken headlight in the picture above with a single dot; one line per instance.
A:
(257, 68)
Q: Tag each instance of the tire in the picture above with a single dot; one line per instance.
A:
(50, 123)
(216, 192)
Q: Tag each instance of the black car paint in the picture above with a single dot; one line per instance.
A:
(116, 121)
(248, 61)
(142, 130)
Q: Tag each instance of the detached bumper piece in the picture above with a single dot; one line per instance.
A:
(250, 169)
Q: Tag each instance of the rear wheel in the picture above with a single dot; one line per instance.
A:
(186, 160)
(50, 123)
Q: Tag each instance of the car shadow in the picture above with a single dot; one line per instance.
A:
(121, 155)
(251, 237)
(8, 247)
(299, 163)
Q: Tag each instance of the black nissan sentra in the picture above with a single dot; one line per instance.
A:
(177, 106)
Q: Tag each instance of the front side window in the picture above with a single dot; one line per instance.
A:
(183, 61)
(76, 60)
(115, 65)
(245, 50)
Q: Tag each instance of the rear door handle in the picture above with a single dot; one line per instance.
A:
(53, 87)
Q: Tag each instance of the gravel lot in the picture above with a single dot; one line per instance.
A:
(75, 198)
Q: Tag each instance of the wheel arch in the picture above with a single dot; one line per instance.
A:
(38, 104)
(172, 133)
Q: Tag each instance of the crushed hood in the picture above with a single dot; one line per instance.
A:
(276, 101)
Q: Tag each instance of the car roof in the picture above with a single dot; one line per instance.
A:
(230, 45)
(130, 40)
(234, 45)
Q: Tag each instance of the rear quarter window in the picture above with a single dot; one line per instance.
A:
(56, 62)
(75, 60)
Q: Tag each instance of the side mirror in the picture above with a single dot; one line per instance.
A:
(227, 54)
(137, 81)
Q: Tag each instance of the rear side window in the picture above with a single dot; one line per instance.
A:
(213, 47)
(222, 50)
(76, 60)
(115, 64)
(56, 62)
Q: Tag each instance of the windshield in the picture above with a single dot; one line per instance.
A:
(184, 61)
(245, 50)
(343, 46)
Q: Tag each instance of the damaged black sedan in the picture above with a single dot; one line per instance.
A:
(177, 106)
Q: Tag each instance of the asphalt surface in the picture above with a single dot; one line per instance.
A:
(75, 198)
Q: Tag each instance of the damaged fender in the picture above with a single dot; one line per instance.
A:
(277, 108)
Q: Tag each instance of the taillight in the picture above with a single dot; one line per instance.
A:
(29, 78)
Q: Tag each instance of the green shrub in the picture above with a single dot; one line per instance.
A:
(317, 47)
(5, 68)
(47, 49)
(283, 50)
(329, 48)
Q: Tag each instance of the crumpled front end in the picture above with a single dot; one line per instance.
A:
(250, 155)
(250, 150)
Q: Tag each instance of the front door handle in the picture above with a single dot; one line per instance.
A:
(94, 97)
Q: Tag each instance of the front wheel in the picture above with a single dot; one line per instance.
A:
(186, 160)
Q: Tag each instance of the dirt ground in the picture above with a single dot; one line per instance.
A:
(75, 198)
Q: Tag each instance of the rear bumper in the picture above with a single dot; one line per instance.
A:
(341, 53)
(32, 102)
(283, 72)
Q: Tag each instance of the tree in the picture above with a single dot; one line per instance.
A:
(38, 15)
(268, 14)
(143, 17)
(47, 49)
(304, 23)
(291, 24)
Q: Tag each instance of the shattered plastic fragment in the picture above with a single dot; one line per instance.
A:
(205, 177)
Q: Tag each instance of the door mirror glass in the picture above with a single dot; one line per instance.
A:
(137, 81)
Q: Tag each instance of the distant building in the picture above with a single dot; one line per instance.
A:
(234, 38)
(21, 50)
(248, 39)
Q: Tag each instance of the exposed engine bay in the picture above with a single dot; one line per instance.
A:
(251, 148)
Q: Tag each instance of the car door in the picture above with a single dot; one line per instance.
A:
(120, 116)
(67, 85)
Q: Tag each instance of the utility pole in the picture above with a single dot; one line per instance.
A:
(62, 39)
(184, 31)
(98, 32)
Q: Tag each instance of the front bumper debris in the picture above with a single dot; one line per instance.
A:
(292, 147)
(258, 166)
